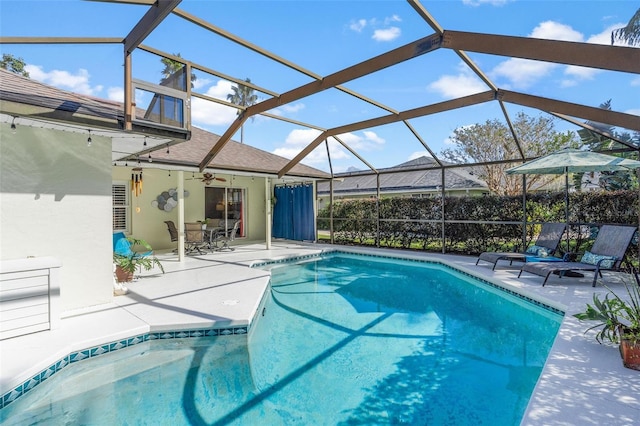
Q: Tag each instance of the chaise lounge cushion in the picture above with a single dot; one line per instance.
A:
(538, 251)
(607, 262)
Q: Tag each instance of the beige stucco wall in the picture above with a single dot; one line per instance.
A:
(147, 221)
(55, 200)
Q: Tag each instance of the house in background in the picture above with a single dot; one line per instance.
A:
(408, 179)
(66, 168)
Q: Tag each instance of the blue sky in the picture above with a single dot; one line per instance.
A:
(324, 37)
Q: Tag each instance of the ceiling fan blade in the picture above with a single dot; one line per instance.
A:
(220, 179)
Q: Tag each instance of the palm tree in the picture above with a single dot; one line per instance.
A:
(172, 71)
(243, 96)
(630, 33)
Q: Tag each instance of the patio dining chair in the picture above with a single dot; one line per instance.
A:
(606, 253)
(221, 241)
(194, 240)
(545, 245)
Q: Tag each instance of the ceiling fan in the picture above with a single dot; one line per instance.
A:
(207, 178)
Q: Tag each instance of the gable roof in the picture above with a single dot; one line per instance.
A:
(404, 177)
(234, 156)
(30, 100)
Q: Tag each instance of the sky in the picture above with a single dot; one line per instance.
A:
(324, 37)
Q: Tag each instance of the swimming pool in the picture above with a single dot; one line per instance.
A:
(343, 339)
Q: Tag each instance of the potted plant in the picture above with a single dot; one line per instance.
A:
(127, 264)
(618, 320)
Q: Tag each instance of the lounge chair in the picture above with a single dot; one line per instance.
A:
(606, 253)
(546, 244)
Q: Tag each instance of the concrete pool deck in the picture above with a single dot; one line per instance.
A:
(582, 382)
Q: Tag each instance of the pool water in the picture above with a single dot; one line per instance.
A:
(343, 340)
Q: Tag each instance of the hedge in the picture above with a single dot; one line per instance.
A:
(476, 224)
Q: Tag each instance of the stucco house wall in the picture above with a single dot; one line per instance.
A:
(55, 200)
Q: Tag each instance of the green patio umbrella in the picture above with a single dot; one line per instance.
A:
(567, 161)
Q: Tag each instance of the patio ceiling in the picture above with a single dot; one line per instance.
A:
(612, 58)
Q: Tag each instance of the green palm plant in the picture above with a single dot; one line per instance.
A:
(243, 96)
(131, 262)
(617, 318)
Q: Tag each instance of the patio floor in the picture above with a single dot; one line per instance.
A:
(582, 382)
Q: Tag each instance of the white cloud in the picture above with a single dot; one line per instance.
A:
(522, 73)
(386, 34)
(454, 86)
(210, 113)
(392, 18)
(201, 82)
(635, 81)
(298, 139)
(418, 154)
(115, 94)
(358, 25)
(301, 137)
(369, 142)
(551, 30)
(290, 108)
(635, 111)
(78, 83)
(373, 137)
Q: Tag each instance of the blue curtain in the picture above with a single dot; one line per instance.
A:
(293, 217)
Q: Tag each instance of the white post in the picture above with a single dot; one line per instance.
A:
(180, 190)
(269, 211)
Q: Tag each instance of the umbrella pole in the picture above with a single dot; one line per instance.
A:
(566, 205)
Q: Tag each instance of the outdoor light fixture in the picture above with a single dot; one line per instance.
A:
(89, 138)
(145, 141)
(150, 160)
(167, 148)
(13, 126)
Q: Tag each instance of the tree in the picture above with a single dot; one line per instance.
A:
(493, 141)
(243, 96)
(596, 142)
(173, 73)
(629, 33)
(13, 64)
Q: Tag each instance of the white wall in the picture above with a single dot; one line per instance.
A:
(55, 200)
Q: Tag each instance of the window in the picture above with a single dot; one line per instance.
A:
(120, 199)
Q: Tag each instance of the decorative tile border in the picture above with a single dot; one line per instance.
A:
(331, 252)
(102, 349)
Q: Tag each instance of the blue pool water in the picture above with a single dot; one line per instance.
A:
(343, 340)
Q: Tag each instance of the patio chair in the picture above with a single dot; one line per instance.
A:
(546, 244)
(224, 240)
(194, 240)
(173, 232)
(606, 253)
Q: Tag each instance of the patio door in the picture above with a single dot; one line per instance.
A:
(227, 205)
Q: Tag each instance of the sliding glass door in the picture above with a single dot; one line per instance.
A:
(226, 205)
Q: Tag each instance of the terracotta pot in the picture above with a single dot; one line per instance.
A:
(630, 354)
(123, 276)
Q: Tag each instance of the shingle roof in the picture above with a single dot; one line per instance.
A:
(408, 180)
(233, 156)
(77, 108)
